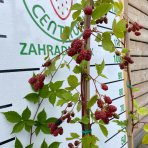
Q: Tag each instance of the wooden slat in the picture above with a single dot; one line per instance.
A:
(139, 76)
(140, 4)
(143, 37)
(143, 89)
(137, 16)
(137, 48)
(139, 63)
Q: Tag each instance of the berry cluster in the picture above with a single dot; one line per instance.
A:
(101, 20)
(134, 27)
(88, 10)
(37, 82)
(106, 110)
(86, 33)
(125, 61)
(76, 143)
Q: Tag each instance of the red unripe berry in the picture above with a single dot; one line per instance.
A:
(56, 132)
(100, 103)
(71, 52)
(32, 80)
(106, 120)
(100, 115)
(76, 143)
(41, 77)
(70, 145)
(107, 100)
(77, 44)
(87, 55)
(141, 27)
(121, 65)
(137, 33)
(88, 10)
(112, 108)
(50, 125)
(109, 114)
(104, 86)
(125, 63)
(87, 33)
(129, 29)
(133, 29)
(37, 86)
(46, 64)
(79, 58)
(60, 130)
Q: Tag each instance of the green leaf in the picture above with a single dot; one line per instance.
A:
(100, 68)
(104, 130)
(79, 106)
(29, 146)
(145, 139)
(50, 120)
(98, 37)
(44, 144)
(146, 128)
(134, 89)
(29, 122)
(75, 97)
(18, 127)
(42, 116)
(18, 144)
(12, 116)
(50, 69)
(107, 42)
(26, 114)
(44, 92)
(92, 101)
(142, 111)
(75, 120)
(118, 7)
(66, 33)
(136, 104)
(55, 86)
(125, 50)
(52, 97)
(76, 14)
(77, 69)
(73, 81)
(32, 97)
(119, 28)
(101, 10)
(73, 136)
(37, 130)
(45, 129)
(85, 120)
(77, 7)
(54, 145)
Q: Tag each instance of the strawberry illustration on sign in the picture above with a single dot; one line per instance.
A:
(62, 8)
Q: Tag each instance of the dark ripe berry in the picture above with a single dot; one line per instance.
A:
(70, 145)
(85, 54)
(106, 120)
(105, 20)
(79, 58)
(76, 143)
(137, 33)
(112, 108)
(118, 53)
(58, 122)
(41, 84)
(125, 63)
(46, 64)
(129, 29)
(50, 125)
(32, 80)
(109, 114)
(107, 100)
(72, 114)
(68, 120)
(56, 132)
(127, 58)
(131, 61)
(87, 33)
(126, 25)
(98, 21)
(41, 77)
(116, 116)
(100, 103)
(77, 44)
(121, 65)
(71, 52)
(65, 111)
(104, 86)
(60, 130)
(100, 115)
(141, 27)
(88, 10)
(37, 86)
(70, 104)
(82, 23)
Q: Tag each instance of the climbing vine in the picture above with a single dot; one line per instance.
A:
(97, 109)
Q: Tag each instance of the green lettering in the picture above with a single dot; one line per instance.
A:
(24, 45)
(36, 7)
(50, 49)
(41, 49)
(76, 30)
(61, 29)
(43, 19)
(55, 26)
(63, 49)
(57, 50)
(32, 49)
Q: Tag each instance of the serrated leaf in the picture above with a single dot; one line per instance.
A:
(54, 145)
(32, 97)
(12, 116)
(18, 127)
(18, 144)
(101, 10)
(76, 7)
(145, 139)
(42, 116)
(146, 128)
(92, 101)
(44, 144)
(77, 69)
(104, 130)
(44, 92)
(26, 114)
(73, 81)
